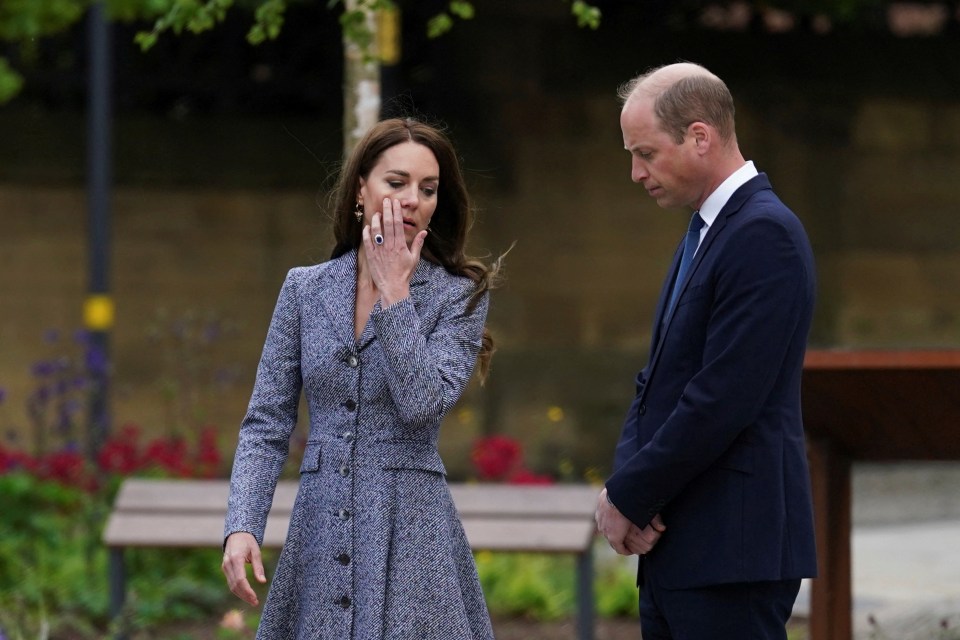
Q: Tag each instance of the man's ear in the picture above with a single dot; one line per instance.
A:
(702, 136)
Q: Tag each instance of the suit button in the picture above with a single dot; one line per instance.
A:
(348, 436)
(343, 514)
(344, 602)
(344, 559)
(642, 409)
(352, 361)
(350, 405)
(344, 471)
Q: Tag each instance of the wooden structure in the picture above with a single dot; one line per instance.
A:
(190, 513)
(868, 406)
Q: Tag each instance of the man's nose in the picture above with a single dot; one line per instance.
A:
(638, 172)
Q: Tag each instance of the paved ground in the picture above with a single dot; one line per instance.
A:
(906, 552)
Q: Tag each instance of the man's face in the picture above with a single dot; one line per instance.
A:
(667, 170)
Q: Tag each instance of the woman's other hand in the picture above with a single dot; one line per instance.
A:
(240, 550)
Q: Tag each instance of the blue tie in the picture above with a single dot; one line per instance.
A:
(689, 248)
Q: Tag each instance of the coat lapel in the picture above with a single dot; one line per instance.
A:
(338, 294)
(418, 291)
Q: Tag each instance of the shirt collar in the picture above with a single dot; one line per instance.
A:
(715, 201)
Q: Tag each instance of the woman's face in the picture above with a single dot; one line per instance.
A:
(407, 172)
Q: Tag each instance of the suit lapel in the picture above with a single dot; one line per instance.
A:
(659, 319)
(733, 205)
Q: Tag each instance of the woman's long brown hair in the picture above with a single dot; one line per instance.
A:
(446, 241)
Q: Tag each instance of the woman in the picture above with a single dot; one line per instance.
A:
(383, 338)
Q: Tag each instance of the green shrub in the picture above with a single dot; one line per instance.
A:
(543, 586)
(53, 568)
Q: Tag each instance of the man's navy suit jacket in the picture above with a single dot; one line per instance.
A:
(714, 439)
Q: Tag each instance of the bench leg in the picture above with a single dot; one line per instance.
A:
(118, 590)
(585, 594)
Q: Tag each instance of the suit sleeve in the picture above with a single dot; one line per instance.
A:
(761, 290)
(427, 374)
(270, 420)
(627, 445)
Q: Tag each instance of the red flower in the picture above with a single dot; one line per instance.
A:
(120, 453)
(496, 457)
(168, 454)
(12, 460)
(525, 476)
(207, 460)
(68, 468)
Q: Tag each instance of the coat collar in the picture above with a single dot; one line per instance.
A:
(338, 287)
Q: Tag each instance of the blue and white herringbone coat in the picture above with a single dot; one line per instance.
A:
(375, 548)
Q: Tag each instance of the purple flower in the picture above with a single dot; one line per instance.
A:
(51, 336)
(212, 331)
(96, 361)
(3, 396)
(43, 368)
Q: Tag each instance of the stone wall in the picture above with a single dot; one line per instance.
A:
(210, 213)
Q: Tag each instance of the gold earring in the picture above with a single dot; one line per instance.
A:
(358, 210)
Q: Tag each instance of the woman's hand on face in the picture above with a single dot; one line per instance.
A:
(392, 262)
(240, 550)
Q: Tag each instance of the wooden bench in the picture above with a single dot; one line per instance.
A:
(190, 513)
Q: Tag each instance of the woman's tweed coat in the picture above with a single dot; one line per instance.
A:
(375, 548)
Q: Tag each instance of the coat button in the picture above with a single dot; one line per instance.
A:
(348, 436)
(343, 514)
(353, 361)
(344, 559)
(344, 602)
(350, 404)
(344, 471)
(642, 409)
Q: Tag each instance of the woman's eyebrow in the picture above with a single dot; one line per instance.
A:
(406, 174)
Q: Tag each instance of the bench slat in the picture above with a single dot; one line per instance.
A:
(199, 530)
(556, 500)
(494, 500)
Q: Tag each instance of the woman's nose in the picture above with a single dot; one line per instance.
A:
(409, 199)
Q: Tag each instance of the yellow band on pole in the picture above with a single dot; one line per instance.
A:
(388, 32)
(98, 312)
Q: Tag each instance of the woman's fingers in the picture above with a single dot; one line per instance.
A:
(242, 549)
(376, 229)
(393, 237)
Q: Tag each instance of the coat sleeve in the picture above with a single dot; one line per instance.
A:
(762, 290)
(427, 372)
(270, 420)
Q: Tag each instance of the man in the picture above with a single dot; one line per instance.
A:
(710, 483)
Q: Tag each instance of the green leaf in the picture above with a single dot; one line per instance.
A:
(146, 39)
(587, 15)
(462, 9)
(439, 25)
(11, 82)
(268, 21)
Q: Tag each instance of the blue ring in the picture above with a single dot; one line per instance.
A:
(378, 239)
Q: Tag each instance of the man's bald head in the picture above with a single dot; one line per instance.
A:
(684, 93)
